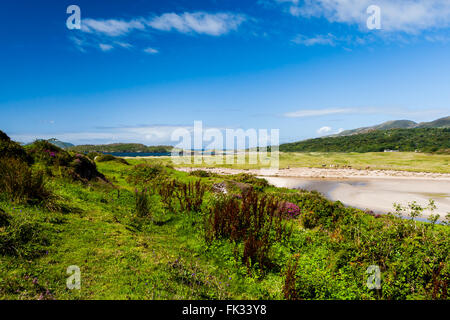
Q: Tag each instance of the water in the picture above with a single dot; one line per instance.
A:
(377, 195)
(139, 154)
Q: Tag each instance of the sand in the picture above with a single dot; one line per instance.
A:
(330, 173)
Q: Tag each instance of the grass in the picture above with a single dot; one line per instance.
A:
(402, 161)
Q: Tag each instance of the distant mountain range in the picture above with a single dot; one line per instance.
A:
(58, 143)
(397, 124)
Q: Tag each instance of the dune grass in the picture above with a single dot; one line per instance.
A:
(402, 161)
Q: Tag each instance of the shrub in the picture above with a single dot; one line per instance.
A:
(92, 155)
(81, 168)
(109, 157)
(200, 173)
(20, 184)
(145, 173)
(257, 183)
(190, 195)
(11, 149)
(289, 290)
(142, 204)
(256, 221)
(47, 153)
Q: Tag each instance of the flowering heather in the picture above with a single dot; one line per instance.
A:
(289, 209)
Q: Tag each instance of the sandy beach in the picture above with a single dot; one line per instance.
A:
(326, 173)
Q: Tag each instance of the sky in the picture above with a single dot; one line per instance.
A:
(137, 70)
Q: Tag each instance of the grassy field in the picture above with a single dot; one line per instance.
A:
(165, 254)
(404, 161)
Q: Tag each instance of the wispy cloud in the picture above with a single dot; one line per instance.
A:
(410, 16)
(327, 39)
(303, 113)
(151, 51)
(111, 27)
(105, 47)
(318, 112)
(198, 22)
(107, 34)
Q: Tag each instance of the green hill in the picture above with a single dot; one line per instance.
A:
(397, 124)
(420, 139)
(120, 147)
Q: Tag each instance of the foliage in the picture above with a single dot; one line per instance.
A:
(421, 139)
(108, 157)
(145, 173)
(20, 184)
(121, 147)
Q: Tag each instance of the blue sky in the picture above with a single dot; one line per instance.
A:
(136, 70)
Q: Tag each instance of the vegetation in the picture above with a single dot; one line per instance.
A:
(121, 147)
(420, 139)
(147, 231)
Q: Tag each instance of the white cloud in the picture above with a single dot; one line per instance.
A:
(365, 110)
(150, 135)
(150, 51)
(105, 47)
(410, 16)
(198, 22)
(324, 130)
(327, 39)
(110, 27)
(317, 112)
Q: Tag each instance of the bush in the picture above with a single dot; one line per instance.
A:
(145, 173)
(109, 157)
(142, 204)
(20, 184)
(201, 173)
(256, 221)
(48, 154)
(257, 183)
(81, 168)
(11, 149)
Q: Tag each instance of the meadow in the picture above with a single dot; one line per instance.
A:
(402, 161)
(140, 229)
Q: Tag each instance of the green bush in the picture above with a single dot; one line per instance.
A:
(145, 173)
(109, 157)
(11, 149)
(19, 183)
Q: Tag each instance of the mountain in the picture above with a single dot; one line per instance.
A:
(61, 144)
(397, 124)
(121, 147)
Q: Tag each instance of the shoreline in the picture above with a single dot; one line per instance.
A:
(327, 173)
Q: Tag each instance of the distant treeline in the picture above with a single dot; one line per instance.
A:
(422, 140)
(121, 147)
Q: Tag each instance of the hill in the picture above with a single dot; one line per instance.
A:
(120, 147)
(61, 144)
(398, 124)
(420, 139)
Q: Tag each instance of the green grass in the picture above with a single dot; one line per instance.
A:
(402, 161)
(124, 257)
